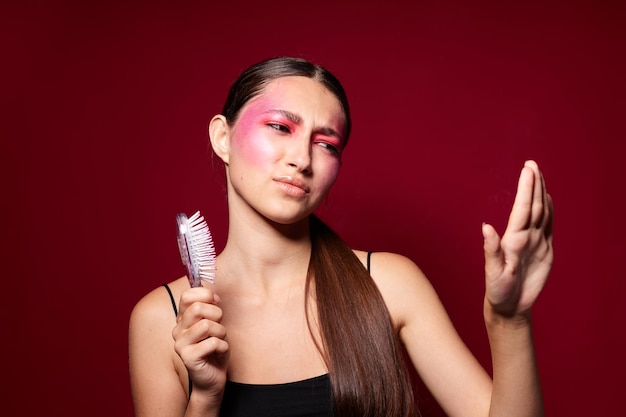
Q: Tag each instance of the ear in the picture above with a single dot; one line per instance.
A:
(219, 134)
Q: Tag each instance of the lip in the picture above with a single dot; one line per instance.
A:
(293, 185)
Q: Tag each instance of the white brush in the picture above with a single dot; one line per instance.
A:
(196, 248)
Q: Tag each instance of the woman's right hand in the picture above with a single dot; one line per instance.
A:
(199, 340)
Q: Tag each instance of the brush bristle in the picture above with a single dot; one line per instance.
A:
(200, 249)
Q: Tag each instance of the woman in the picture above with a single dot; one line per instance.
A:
(297, 323)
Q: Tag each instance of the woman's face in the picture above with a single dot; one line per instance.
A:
(285, 149)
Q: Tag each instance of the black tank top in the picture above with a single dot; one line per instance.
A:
(308, 398)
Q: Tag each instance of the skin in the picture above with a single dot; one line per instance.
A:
(293, 130)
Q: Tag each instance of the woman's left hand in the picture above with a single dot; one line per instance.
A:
(518, 264)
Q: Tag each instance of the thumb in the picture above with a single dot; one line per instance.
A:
(493, 251)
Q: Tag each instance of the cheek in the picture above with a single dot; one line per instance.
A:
(332, 171)
(253, 148)
(257, 153)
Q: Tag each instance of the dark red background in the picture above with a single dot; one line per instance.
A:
(105, 112)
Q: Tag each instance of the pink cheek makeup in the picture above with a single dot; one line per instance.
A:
(256, 149)
(251, 138)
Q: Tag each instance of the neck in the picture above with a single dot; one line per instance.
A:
(259, 250)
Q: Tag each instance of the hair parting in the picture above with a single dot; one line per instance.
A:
(254, 79)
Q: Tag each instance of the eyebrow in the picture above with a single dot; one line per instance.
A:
(292, 117)
(297, 119)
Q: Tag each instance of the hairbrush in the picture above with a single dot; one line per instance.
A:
(196, 248)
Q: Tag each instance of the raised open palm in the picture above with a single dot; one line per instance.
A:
(518, 264)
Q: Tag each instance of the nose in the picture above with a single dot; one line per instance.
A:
(299, 155)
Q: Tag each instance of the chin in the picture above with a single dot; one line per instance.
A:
(284, 219)
(288, 214)
(289, 221)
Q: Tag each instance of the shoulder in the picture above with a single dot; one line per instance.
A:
(155, 309)
(388, 262)
(404, 287)
(391, 269)
(150, 331)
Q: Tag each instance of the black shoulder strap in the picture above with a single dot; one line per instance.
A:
(369, 256)
(171, 299)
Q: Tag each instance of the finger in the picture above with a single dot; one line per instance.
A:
(213, 345)
(199, 311)
(520, 216)
(548, 207)
(549, 219)
(196, 313)
(197, 354)
(539, 195)
(202, 330)
(195, 295)
(207, 328)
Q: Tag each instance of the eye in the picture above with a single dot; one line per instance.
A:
(280, 127)
(330, 147)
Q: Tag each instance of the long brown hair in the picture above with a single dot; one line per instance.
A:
(362, 352)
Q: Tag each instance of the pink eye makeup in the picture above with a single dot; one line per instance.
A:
(272, 115)
(282, 120)
(330, 143)
(279, 127)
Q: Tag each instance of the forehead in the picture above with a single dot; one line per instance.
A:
(301, 95)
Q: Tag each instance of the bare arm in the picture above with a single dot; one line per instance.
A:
(164, 349)
(450, 371)
(155, 383)
(517, 267)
